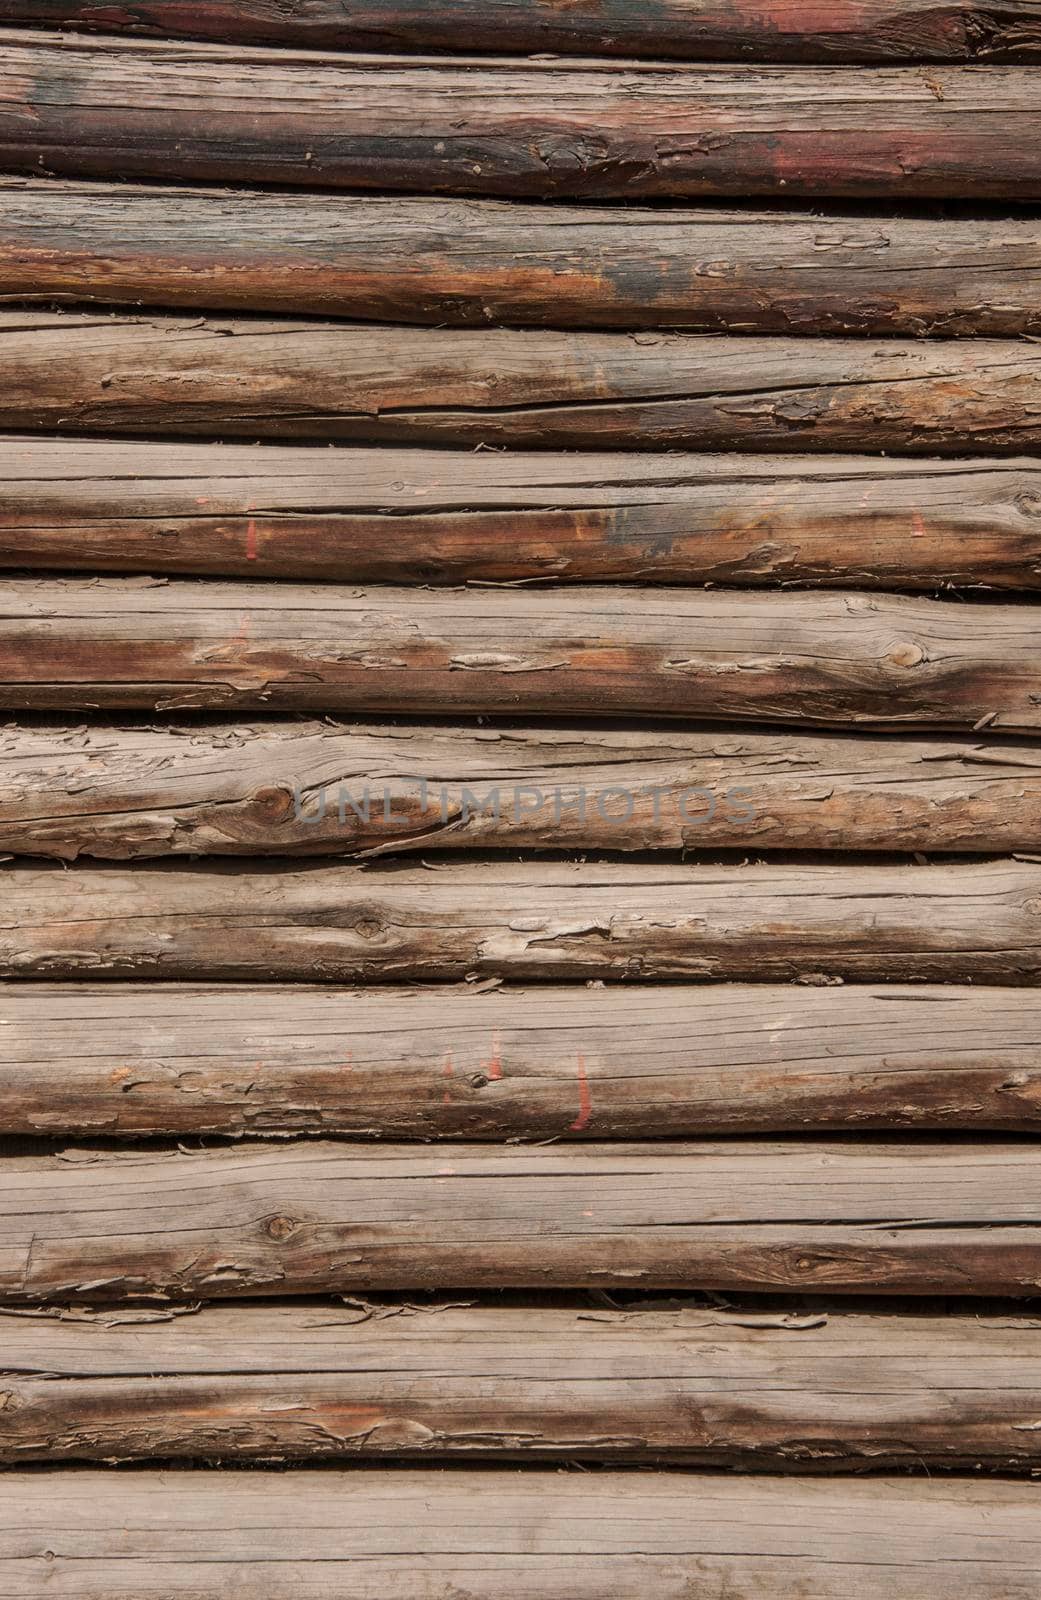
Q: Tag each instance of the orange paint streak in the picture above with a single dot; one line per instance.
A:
(251, 540)
(493, 1067)
(585, 1099)
(918, 526)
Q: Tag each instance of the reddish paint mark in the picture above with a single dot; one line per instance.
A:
(348, 1061)
(493, 1067)
(251, 540)
(585, 1099)
(202, 502)
(918, 526)
(447, 1070)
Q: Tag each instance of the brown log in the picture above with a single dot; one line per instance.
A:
(701, 1386)
(819, 659)
(75, 106)
(305, 789)
(314, 1218)
(845, 30)
(133, 1061)
(500, 1535)
(448, 517)
(445, 261)
(533, 388)
(556, 921)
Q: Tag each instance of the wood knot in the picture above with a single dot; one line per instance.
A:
(905, 653)
(280, 1227)
(274, 801)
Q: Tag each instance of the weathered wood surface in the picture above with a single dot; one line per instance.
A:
(134, 1061)
(441, 516)
(846, 30)
(308, 1218)
(532, 388)
(300, 788)
(557, 921)
(704, 1386)
(829, 660)
(499, 1535)
(458, 261)
(83, 107)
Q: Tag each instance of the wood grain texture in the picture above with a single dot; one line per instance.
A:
(828, 660)
(444, 516)
(76, 106)
(499, 1535)
(845, 30)
(457, 261)
(701, 1386)
(545, 921)
(141, 1060)
(531, 388)
(313, 788)
(312, 1218)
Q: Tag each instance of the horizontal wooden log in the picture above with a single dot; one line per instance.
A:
(559, 921)
(532, 388)
(827, 660)
(310, 1218)
(412, 1535)
(457, 261)
(145, 1060)
(298, 788)
(79, 107)
(445, 516)
(847, 30)
(708, 1387)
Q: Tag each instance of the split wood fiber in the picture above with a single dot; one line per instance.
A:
(444, 516)
(533, 388)
(396, 259)
(413, 1535)
(847, 30)
(145, 1060)
(316, 1218)
(828, 660)
(536, 921)
(77, 106)
(777, 1389)
(312, 788)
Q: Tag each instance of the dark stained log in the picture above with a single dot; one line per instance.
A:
(831, 1390)
(137, 1061)
(457, 261)
(542, 921)
(309, 1218)
(509, 1535)
(369, 384)
(80, 107)
(817, 659)
(448, 517)
(845, 30)
(304, 789)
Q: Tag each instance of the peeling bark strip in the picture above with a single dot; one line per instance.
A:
(411, 1535)
(710, 1387)
(314, 789)
(442, 516)
(450, 262)
(948, 924)
(122, 108)
(318, 1218)
(532, 388)
(822, 659)
(847, 30)
(145, 1060)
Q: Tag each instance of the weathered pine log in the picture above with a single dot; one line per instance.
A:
(85, 108)
(132, 1061)
(533, 388)
(546, 921)
(308, 789)
(457, 261)
(500, 1535)
(828, 660)
(846, 30)
(702, 1386)
(316, 1218)
(443, 516)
